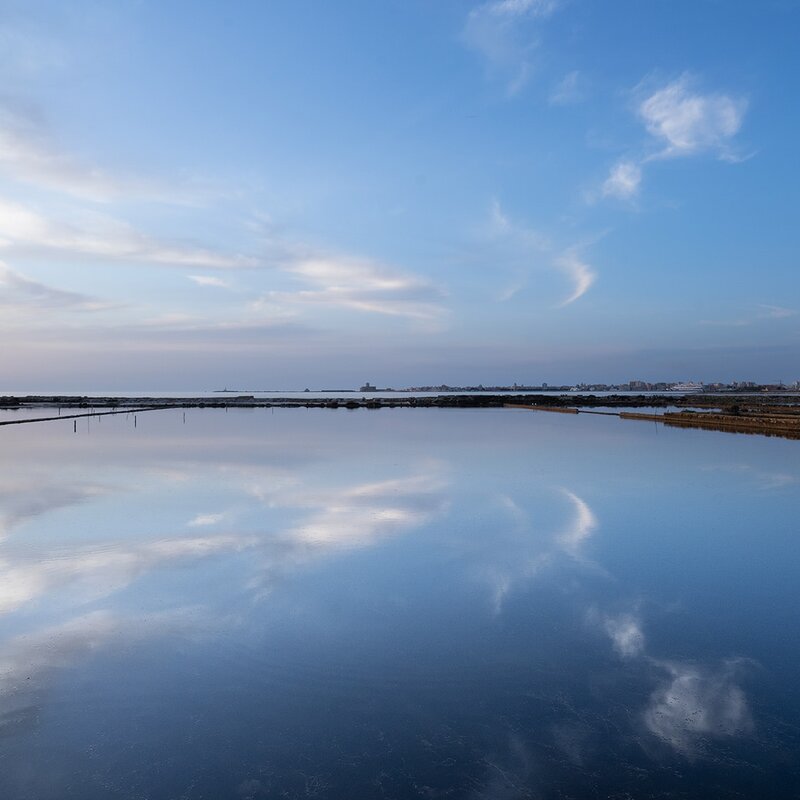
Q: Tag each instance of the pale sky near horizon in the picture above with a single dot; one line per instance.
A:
(288, 193)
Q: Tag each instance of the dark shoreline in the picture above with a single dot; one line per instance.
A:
(724, 402)
(765, 414)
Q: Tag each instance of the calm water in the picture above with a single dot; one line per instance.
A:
(396, 604)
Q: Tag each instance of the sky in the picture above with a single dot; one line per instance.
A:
(290, 194)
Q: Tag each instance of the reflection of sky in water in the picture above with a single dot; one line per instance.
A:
(419, 603)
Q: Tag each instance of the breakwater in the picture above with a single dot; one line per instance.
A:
(764, 420)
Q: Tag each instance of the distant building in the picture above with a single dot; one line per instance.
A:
(368, 387)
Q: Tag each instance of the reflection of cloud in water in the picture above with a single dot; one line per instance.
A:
(507, 774)
(529, 552)
(693, 703)
(354, 517)
(27, 660)
(21, 500)
(99, 572)
(358, 516)
(625, 632)
(761, 479)
(580, 528)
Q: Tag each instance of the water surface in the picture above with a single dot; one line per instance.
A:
(479, 603)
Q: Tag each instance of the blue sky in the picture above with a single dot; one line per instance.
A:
(290, 194)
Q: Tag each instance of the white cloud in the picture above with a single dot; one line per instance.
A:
(579, 272)
(681, 122)
(202, 520)
(360, 285)
(687, 122)
(623, 180)
(518, 8)
(209, 280)
(99, 236)
(500, 32)
(694, 703)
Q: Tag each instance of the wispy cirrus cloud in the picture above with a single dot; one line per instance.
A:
(763, 312)
(209, 280)
(623, 181)
(568, 90)
(24, 230)
(21, 294)
(29, 154)
(523, 247)
(203, 520)
(360, 285)
(504, 33)
(579, 272)
(681, 121)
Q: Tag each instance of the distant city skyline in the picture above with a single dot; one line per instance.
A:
(205, 194)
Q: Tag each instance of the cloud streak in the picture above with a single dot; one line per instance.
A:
(21, 294)
(502, 32)
(579, 272)
(103, 238)
(522, 247)
(360, 285)
(29, 155)
(765, 312)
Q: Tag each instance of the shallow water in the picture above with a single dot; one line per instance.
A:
(483, 603)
